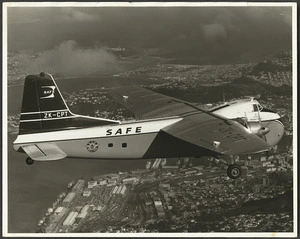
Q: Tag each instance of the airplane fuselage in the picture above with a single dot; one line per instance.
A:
(48, 130)
(125, 140)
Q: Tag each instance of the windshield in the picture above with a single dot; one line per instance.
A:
(255, 108)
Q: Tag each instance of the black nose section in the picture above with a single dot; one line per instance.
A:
(268, 110)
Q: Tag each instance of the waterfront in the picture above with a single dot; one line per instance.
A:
(31, 190)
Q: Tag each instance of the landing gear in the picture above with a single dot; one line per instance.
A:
(29, 161)
(234, 171)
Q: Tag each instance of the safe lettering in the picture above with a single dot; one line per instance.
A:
(47, 92)
(121, 131)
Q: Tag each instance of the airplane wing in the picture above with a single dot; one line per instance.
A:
(147, 104)
(221, 136)
(44, 152)
(198, 127)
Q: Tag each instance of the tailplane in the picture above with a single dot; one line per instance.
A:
(44, 109)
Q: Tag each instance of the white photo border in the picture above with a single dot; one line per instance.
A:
(6, 5)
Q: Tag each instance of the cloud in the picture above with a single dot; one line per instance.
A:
(214, 31)
(227, 34)
(69, 59)
(76, 15)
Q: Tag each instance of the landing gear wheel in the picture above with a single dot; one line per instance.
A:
(234, 171)
(29, 161)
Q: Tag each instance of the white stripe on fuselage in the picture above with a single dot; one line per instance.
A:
(123, 129)
(39, 112)
(64, 117)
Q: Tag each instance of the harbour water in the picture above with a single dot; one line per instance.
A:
(32, 189)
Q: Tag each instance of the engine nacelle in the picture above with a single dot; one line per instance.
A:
(258, 129)
(275, 133)
(261, 121)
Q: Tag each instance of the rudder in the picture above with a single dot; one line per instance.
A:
(44, 109)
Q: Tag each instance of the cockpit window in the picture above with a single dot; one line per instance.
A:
(260, 107)
(255, 108)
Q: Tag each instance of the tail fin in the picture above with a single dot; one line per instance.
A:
(44, 109)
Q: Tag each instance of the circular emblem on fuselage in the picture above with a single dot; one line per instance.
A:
(92, 146)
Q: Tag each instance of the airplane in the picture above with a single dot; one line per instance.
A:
(164, 127)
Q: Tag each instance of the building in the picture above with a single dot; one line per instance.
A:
(190, 172)
(266, 181)
(255, 163)
(68, 199)
(119, 190)
(165, 185)
(199, 167)
(69, 221)
(83, 213)
(256, 188)
(156, 163)
(271, 157)
(59, 210)
(185, 162)
(148, 165)
(114, 176)
(159, 208)
(130, 180)
(170, 167)
(86, 193)
(103, 182)
(92, 184)
(115, 189)
(148, 202)
(123, 190)
(99, 208)
(78, 186)
(50, 228)
(262, 159)
(163, 162)
(111, 182)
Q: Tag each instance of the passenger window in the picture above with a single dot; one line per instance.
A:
(124, 145)
(110, 145)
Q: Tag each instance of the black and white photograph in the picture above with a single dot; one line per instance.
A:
(149, 119)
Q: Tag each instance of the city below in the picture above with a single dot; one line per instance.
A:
(179, 198)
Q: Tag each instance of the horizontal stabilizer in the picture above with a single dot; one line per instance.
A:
(44, 152)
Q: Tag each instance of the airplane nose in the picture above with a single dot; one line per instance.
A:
(276, 131)
(274, 116)
(277, 115)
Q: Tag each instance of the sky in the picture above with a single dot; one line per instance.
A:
(213, 34)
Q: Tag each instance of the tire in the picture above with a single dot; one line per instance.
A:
(29, 161)
(234, 171)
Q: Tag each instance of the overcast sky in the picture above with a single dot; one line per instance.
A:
(236, 33)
